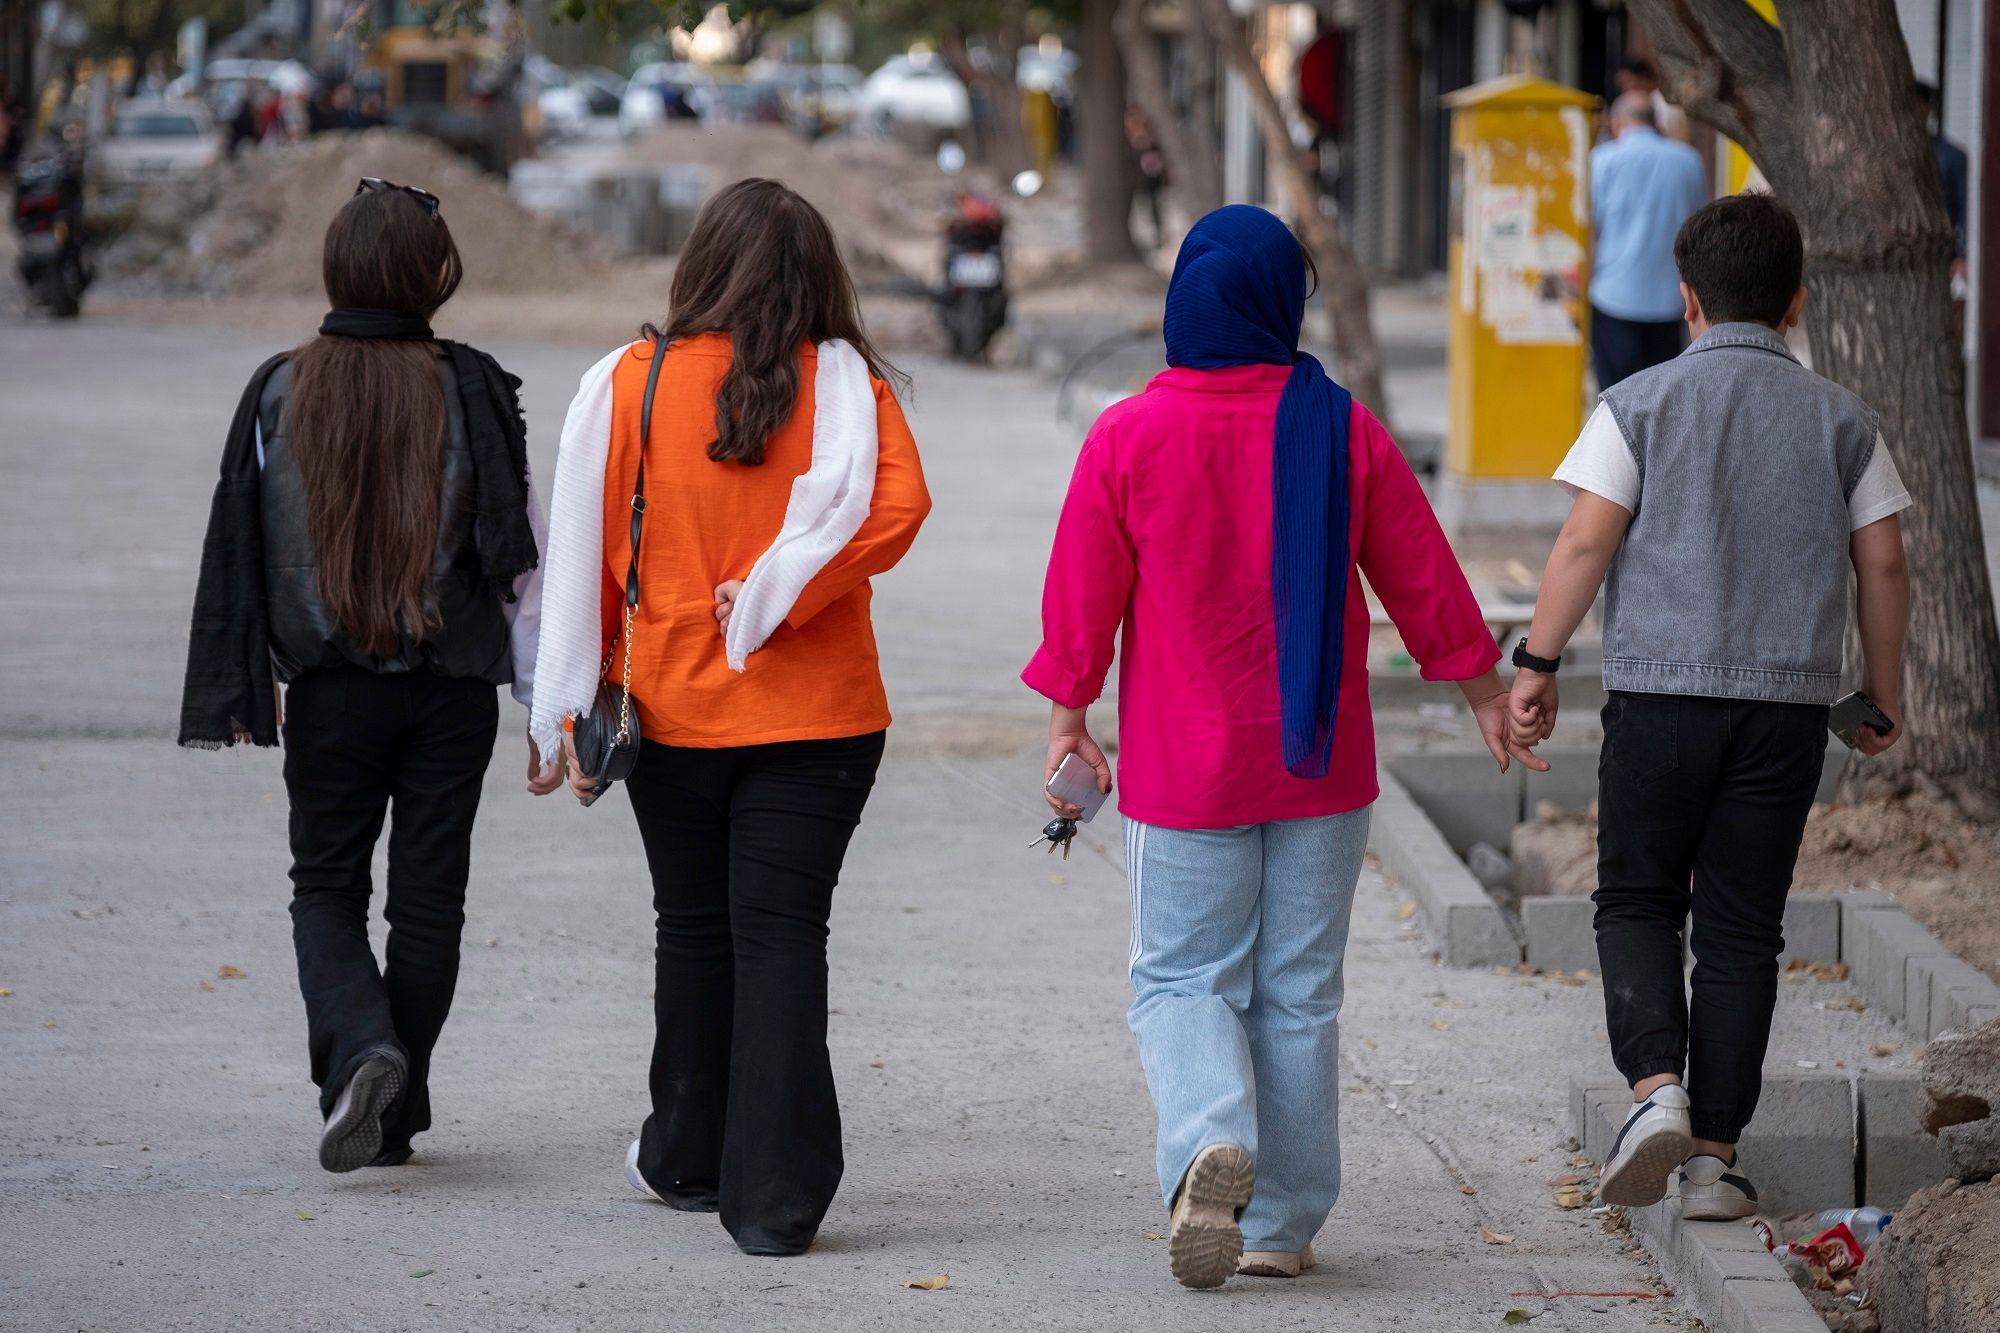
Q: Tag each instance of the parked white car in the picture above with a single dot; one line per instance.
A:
(916, 89)
(153, 140)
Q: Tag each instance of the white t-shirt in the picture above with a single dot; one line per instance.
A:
(1602, 463)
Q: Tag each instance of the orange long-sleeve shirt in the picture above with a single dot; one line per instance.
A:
(818, 676)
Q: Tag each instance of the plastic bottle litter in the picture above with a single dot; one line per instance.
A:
(1865, 1224)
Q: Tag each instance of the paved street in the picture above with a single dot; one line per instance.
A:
(157, 1130)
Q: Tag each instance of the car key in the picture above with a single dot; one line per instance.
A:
(1058, 832)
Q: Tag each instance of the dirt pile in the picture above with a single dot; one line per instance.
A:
(1943, 869)
(254, 227)
(1933, 1270)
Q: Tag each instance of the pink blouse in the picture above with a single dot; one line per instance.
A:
(1167, 532)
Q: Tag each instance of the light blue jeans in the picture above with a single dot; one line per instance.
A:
(1238, 936)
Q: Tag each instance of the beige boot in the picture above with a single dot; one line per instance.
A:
(1277, 1263)
(1204, 1242)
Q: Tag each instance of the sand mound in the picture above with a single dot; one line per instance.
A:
(255, 226)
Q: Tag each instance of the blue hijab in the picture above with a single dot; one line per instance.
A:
(1237, 298)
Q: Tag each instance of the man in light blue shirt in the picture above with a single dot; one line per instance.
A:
(1642, 187)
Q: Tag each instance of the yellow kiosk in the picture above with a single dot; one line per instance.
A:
(1519, 335)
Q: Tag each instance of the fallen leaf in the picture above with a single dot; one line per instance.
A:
(938, 1283)
(208, 986)
(1565, 1181)
(6, 992)
(1848, 1003)
(1569, 1198)
(1467, 1189)
(1884, 1048)
(1406, 910)
(1492, 1237)
(228, 972)
(874, 1064)
(1440, 1026)
(1151, 1235)
(1517, 1317)
(423, 1272)
(305, 1217)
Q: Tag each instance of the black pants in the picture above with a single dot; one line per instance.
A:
(1711, 793)
(356, 746)
(1620, 348)
(745, 845)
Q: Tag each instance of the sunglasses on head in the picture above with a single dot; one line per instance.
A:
(376, 185)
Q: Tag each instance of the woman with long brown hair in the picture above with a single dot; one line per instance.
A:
(725, 488)
(372, 544)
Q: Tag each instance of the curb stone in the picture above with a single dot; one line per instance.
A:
(1903, 969)
(1721, 1270)
(1468, 926)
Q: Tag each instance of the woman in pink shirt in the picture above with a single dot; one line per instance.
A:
(1222, 519)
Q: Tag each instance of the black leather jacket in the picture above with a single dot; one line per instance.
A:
(469, 635)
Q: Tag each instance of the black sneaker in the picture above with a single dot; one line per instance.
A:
(353, 1133)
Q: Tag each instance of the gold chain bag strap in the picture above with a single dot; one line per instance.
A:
(607, 738)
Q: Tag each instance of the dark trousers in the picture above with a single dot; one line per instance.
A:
(745, 845)
(1700, 802)
(359, 746)
(1621, 348)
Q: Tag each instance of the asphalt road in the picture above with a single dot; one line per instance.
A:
(157, 1129)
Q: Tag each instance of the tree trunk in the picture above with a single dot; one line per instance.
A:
(1193, 165)
(1339, 271)
(1825, 105)
(1100, 130)
(1000, 143)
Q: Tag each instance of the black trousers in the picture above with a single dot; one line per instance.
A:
(1700, 802)
(359, 746)
(745, 845)
(1621, 348)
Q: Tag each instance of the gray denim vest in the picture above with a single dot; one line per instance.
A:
(1732, 579)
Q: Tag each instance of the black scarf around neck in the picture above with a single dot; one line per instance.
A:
(227, 696)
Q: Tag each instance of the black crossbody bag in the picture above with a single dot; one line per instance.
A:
(607, 738)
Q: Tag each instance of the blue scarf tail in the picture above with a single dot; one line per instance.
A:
(1238, 298)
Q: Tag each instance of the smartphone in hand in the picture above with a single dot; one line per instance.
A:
(1075, 783)
(1848, 715)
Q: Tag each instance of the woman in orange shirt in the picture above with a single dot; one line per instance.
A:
(779, 476)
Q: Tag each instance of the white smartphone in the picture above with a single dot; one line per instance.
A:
(1075, 782)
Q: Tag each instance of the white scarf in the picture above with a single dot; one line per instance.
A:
(828, 504)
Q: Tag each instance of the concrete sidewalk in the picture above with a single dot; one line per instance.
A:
(156, 1158)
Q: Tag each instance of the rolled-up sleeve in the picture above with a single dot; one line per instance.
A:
(897, 509)
(1087, 588)
(1411, 566)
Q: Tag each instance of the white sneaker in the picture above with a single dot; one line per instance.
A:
(1655, 1139)
(632, 1176)
(1277, 1263)
(1713, 1190)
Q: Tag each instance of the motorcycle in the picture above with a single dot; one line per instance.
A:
(973, 304)
(48, 214)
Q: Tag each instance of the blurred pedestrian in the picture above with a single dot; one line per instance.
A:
(1723, 502)
(1954, 174)
(1152, 168)
(1221, 521)
(725, 490)
(243, 118)
(1642, 187)
(372, 543)
(1639, 76)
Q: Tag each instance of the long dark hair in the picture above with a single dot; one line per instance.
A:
(763, 267)
(367, 421)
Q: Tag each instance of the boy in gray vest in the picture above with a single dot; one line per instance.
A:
(1722, 498)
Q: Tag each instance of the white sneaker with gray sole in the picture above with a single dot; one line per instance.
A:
(1655, 1139)
(1205, 1241)
(1713, 1190)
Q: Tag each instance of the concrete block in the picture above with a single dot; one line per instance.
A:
(1761, 1306)
(1562, 936)
(1604, 1111)
(1800, 1147)
(1929, 981)
(1580, 1087)
(1957, 1007)
(1893, 939)
(1469, 928)
(1462, 796)
(1853, 947)
(1897, 1157)
(1715, 1254)
(1812, 928)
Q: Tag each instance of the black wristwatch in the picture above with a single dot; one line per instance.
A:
(1523, 658)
